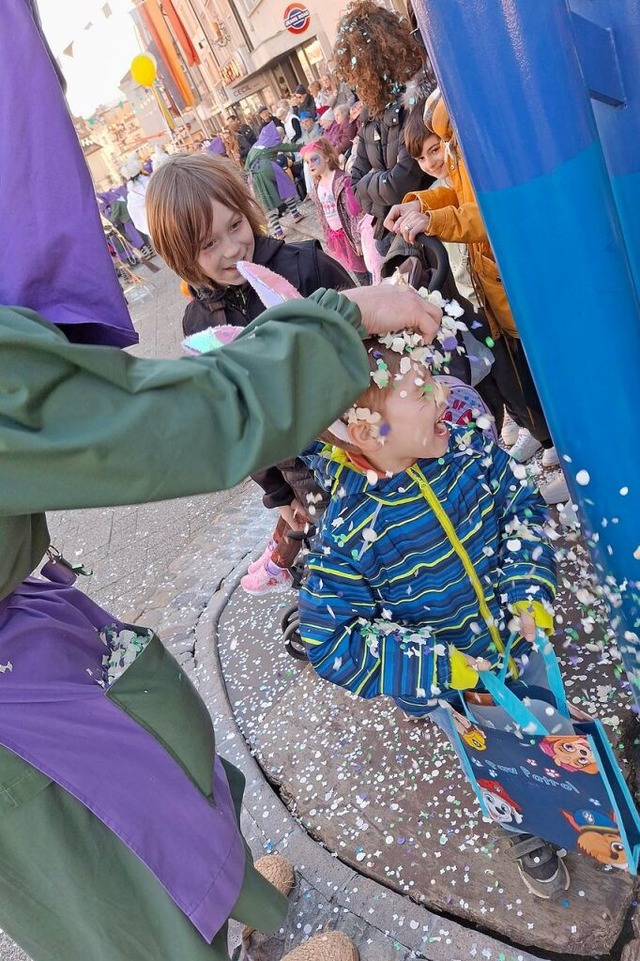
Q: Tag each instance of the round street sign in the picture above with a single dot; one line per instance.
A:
(296, 18)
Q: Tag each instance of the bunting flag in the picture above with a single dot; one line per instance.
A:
(68, 51)
(106, 9)
(53, 254)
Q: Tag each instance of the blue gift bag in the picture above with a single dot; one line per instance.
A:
(540, 771)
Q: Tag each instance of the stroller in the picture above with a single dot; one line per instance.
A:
(425, 264)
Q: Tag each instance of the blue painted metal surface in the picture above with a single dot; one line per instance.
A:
(511, 78)
(619, 128)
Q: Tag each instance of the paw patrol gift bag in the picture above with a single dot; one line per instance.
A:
(538, 770)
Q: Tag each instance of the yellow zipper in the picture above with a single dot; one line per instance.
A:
(430, 496)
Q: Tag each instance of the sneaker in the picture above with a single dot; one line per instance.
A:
(277, 233)
(262, 560)
(262, 582)
(525, 446)
(540, 865)
(550, 457)
(510, 431)
(556, 491)
(297, 217)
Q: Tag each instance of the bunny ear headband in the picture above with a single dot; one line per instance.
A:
(272, 289)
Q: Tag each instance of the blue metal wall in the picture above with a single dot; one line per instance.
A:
(511, 77)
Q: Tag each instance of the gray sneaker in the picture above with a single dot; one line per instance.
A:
(540, 864)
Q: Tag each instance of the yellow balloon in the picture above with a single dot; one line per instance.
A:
(143, 69)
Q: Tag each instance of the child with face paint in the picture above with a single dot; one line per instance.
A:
(432, 550)
(338, 211)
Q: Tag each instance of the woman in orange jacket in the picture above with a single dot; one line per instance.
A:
(452, 214)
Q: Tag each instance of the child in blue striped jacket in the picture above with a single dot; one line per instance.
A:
(432, 551)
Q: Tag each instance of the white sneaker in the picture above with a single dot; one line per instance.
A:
(550, 457)
(525, 446)
(556, 491)
(510, 431)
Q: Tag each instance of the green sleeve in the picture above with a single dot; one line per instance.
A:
(84, 426)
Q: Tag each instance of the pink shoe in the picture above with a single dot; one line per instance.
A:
(264, 557)
(262, 582)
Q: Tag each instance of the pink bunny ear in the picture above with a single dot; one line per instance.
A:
(210, 339)
(271, 288)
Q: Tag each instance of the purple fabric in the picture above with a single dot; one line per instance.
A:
(285, 185)
(216, 147)
(268, 136)
(56, 717)
(53, 255)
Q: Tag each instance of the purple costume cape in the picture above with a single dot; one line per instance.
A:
(53, 714)
(269, 138)
(53, 255)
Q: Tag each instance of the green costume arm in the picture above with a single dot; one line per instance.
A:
(84, 426)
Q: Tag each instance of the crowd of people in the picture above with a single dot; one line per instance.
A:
(432, 549)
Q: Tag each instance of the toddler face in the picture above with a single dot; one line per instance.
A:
(431, 160)
(412, 419)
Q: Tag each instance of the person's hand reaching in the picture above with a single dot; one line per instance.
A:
(387, 308)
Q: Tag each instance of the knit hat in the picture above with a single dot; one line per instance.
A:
(305, 115)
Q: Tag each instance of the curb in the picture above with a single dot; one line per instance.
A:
(404, 923)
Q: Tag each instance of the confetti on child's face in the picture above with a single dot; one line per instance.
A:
(413, 426)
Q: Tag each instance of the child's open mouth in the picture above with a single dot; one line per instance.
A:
(441, 428)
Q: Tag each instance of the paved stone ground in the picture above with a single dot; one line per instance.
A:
(386, 795)
(174, 566)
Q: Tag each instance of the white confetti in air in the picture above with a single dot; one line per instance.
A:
(583, 478)
(624, 491)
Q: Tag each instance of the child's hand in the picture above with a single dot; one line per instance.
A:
(295, 515)
(387, 308)
(412, 224)
(527, 626)
(477, 663)
(398, 211)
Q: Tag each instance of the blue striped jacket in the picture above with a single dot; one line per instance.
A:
(388, 596)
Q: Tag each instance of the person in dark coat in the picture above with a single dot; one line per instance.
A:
(243, 133)
(185, 192)
(376, 54)
(304, 100)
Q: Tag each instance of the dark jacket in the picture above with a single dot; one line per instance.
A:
(307, 267)
(308, 105)
(246, 139)
(383, 172)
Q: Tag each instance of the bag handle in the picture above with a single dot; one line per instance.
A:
(494, 683)
(551, 665)
(511, 704)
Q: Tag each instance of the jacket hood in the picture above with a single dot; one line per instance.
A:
(440, 121)
(268, 136)
(346, 478)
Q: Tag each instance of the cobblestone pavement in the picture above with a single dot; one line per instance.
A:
(175, 566)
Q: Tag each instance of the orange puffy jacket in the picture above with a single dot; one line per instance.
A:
(455, 217)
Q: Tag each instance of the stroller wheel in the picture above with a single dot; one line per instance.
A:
(289, 615)
(293, 643)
